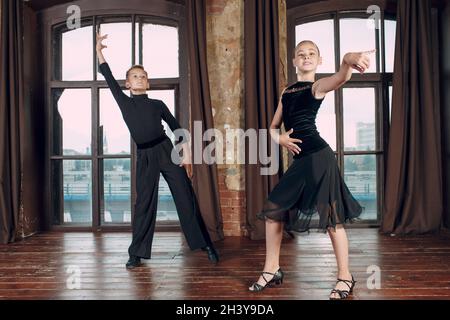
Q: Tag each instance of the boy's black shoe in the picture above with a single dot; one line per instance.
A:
(133, 262)
(212, 253)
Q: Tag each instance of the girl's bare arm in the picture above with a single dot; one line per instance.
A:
(353, 60)
(283, 139)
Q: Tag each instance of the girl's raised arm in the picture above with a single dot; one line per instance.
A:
(353, 60)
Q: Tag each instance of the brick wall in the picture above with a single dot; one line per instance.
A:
(225, 51)
(233, 207)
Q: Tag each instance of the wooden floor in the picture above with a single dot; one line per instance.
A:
(42, 267)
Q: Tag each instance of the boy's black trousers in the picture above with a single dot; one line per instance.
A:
(151, 162)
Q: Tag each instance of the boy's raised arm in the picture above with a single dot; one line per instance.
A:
(106, 71)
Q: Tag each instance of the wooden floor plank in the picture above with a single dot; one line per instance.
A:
(416, 267)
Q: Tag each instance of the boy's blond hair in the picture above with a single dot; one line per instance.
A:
(136, 66)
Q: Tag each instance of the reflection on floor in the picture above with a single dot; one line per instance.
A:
(91, 266)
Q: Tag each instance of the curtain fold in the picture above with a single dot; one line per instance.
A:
(11, 104)
(205, 180)
(413, 189)
(261, 98)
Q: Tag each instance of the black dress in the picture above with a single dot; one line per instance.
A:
(312, 185)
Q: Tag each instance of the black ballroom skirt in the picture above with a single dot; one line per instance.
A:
(312, 195)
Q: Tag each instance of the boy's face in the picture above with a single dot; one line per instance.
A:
(306, 58)
(137, 80)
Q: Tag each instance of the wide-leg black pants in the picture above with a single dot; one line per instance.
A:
(150, 163)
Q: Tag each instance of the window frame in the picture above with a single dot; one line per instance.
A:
(379, 80)
(52, 21)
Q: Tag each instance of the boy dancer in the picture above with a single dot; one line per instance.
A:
(143, 118)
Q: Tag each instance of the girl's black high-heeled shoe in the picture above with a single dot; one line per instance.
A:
(343, 294)
(277, 280)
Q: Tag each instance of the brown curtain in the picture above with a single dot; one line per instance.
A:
(261, 97)
(413, 198)
(445, 105)
(11, 104)
(205, 179)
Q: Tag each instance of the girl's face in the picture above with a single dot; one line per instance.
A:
(137, 80)
(306, 58)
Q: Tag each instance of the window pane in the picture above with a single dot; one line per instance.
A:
(118, 53)
(390, 103)
(72, 122)
(77, 51)
(326, 121)
(360, 175)
(322, 33)
(72, 184)
(389, 35)
(160, 51)
(136, 44)
(113, 133)
(168, 97)
(166, 206)
(356, 36)
(116, 205)
(359, 119)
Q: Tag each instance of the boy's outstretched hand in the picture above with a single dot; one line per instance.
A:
(100, 46)
(359, 61)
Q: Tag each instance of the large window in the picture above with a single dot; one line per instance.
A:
(353, 119)
(92, 156)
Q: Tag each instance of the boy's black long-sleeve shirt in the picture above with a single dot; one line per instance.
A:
(142, 115)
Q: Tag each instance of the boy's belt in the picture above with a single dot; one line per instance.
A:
(152, 143)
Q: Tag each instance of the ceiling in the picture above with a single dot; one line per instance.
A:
(296, 3)
(44, 4)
